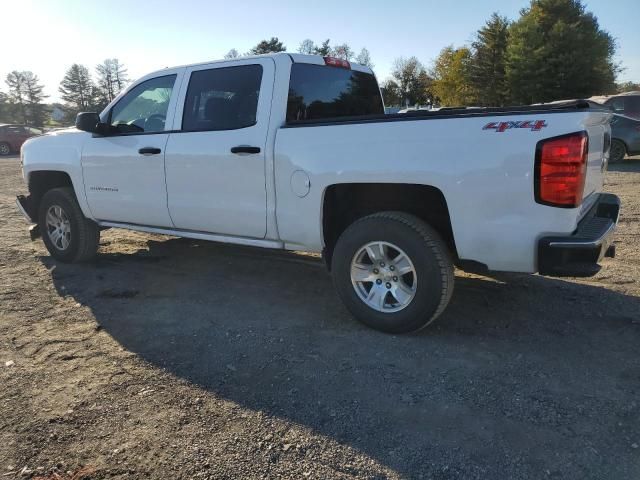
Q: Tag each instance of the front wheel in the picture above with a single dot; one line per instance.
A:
(393, 272)
(5, 149)
(67, 234)
(618, 151)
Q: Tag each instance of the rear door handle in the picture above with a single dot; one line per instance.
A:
(149, 151)
(245, 149)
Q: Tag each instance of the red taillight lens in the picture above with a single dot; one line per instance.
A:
(336, 62)
(561, 170)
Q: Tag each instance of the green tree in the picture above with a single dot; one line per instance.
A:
(364, 58)
(120, 75)
(6, 109)
(324, 49)
(627, 87)
(342, 51)
(451, 77)
(410, 83)
(233, 53)
(77, 90)
(17, 96)
(268, 46)
(391, 93)
(488, 65)
(307, 47)
(37, 111)
(111, 80)
(558, 51)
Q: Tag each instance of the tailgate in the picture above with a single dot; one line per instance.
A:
(596, 124)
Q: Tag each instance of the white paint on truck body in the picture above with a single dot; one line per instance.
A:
(196, 188)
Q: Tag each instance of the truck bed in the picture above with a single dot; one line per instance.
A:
(546, 108)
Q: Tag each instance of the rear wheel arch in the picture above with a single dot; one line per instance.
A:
(393, 272)
(345, 203)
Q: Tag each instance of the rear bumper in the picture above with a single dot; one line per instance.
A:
(578, 255)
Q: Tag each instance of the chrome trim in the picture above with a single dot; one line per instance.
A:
(212, 237)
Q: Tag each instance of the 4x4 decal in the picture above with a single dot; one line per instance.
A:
(533, 125)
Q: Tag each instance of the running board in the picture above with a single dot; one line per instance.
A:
(211, 237)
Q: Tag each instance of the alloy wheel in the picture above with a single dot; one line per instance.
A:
(58, 227)
(383, 276)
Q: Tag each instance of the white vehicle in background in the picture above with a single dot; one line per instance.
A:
(294, 152)
(418, 109)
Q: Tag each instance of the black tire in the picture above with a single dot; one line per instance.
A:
(618, 151)
(84, 234)
(5, 148)
(426, 250)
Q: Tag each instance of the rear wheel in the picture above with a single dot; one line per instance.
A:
(393, 272)
(67, 234)
(618, 151)
(5, 148)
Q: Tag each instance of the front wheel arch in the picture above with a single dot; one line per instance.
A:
(84, 234)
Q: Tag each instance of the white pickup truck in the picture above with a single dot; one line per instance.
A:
(294, 152)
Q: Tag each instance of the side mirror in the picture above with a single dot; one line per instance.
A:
(89, 122)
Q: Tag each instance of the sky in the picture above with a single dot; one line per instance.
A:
(47, 36)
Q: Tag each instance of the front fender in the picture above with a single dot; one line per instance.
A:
(59, 151)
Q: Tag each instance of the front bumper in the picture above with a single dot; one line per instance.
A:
(578, 255)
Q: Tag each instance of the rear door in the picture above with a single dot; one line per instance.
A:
(215, 158)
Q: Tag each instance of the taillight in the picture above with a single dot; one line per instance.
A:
(336, 62)
(561, 170)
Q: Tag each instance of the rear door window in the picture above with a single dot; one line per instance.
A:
(319, 91)
(222, 98)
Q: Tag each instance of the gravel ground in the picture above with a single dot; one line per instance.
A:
(171, 359)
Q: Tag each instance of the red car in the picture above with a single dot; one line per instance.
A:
(13, 136)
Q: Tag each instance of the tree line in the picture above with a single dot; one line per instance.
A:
(309, 47)
(554, 50)
(25, 100)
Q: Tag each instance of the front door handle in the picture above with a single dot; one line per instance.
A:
(245, 149)
(149, 151)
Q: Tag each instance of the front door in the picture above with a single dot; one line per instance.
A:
(215, 158)
(123, 172)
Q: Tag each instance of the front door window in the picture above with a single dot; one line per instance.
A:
(144, 108)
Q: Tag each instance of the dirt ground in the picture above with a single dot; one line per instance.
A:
(168, 359)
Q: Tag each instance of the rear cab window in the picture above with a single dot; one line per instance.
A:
(324, 92)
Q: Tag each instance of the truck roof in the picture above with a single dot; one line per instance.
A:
(294, 57)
